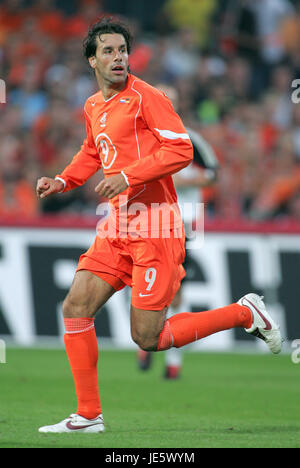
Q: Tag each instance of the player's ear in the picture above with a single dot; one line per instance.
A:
(92, 62)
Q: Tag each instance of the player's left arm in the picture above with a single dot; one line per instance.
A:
(112, 186)
(176, 150)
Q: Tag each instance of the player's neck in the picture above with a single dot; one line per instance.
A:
(109, 89)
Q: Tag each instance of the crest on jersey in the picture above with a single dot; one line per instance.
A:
(125, 100)
(103, 120)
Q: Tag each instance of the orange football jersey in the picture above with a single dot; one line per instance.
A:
(136, 132)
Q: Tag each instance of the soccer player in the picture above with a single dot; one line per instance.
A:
(134, 134)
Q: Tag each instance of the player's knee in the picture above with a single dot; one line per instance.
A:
(73, 308)
(144, 341)
(148, 345)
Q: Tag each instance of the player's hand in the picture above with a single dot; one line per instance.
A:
(112, 186)
(46, 186)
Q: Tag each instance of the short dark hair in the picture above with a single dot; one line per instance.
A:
(106, 25)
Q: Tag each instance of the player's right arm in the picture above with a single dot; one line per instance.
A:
(47, 186)
(84, 164)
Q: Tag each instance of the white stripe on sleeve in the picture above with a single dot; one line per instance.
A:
(172, 135)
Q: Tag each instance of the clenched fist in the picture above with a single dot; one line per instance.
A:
(47, 186)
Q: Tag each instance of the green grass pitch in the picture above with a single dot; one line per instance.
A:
(221, 400)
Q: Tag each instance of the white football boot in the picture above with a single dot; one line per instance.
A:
(263, 326)
(76, 423)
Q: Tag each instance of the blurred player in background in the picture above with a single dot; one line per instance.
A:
(202, 172)
(134, 133)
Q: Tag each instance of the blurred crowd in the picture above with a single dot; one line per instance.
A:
(232, 62)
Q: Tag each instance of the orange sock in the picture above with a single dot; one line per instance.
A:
(82, 350)
(187, 327)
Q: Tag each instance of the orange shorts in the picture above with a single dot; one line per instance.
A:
(151, 267)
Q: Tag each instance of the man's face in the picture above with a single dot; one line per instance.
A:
(111, 60)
